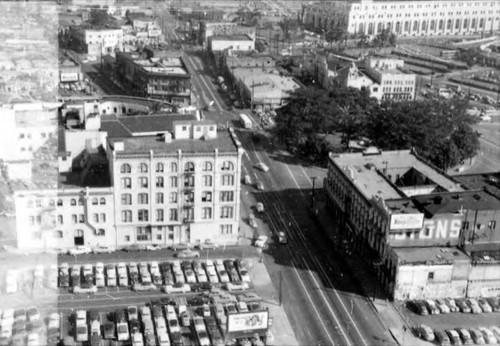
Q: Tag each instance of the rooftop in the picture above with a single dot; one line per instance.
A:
(457, 202)
(487, 181)
(266, 84)
(231, 38)
(366, 171)
(429, 255)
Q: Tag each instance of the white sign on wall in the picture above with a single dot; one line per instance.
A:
(406, 221)
(247, 321)
(69, 77)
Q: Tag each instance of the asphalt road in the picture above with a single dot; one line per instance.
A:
(488, 159)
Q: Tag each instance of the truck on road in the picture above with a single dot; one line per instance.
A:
(245, 121)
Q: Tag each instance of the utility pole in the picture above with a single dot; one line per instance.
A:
(313, 197)
(281, 288)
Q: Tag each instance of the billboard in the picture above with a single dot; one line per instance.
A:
(406, 221)
(247, 322)
(69, 77)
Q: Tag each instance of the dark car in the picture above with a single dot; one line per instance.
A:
(417, 307)
(211, 322)
(34, 326)
(176, 339)
(229, 264)
(441, 338)
(168, 278)
(134, 326)
(134, 248)
(157, 312)
(19, 327)
(150, 339)
(197, 301)
(168, 301)
(120, 316)
(495, 305)
(463, 306)
(109, 331)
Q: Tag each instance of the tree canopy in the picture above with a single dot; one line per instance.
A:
(439, 130)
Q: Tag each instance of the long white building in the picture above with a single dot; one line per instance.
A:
(406, 18)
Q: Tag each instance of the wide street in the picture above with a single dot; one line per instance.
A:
(322, 302)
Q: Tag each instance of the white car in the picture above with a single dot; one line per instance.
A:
(161, 326)
(170, 312)
(80, 250)
(163, 339)
(86, 290)
(99, 280)
(145, 313)
(242, 307)
(137, 339)
(202, 276)
(261, 241)
(262, 166)
(99, 268)
(6, 330)
(33, 340)
(173, 326)
(244, 275)
(231, 287)
(488, 335)
(190, 277)
(122, 331)
(111, 275)
(199, 325)
(121, 267)
(82, 333)
(206, 310)
(203, 338)
(154, 267)
(54, 321)
(153, 247)
(224, 278)
(104, 249)
(143, 287)
(182, 288)
(212, 275)
(8, 316)
(179, 277)
(87, 269)
(208, 244)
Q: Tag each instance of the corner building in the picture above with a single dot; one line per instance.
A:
(406, 18)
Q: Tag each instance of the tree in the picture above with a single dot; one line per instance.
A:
(385, 38)
(99, 17)
(288, 25)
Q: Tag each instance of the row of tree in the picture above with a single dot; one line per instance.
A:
(440, 130)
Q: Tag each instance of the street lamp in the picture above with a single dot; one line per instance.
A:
(313, 197)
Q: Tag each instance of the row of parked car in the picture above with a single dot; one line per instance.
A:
(24, 326)
(153, 273)
(447, 305)
(39, 277)
(459, 336)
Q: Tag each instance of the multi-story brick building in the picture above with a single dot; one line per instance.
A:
(405, 18)
(165, 78)
(97, 40)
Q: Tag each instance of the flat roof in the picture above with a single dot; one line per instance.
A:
(231, 38)
(365, 171)
(127, 126)
(488, 181)
(143, 145)
(434, 255)
(439, 203)
(402, 206)
(166, 70)
(266, 84)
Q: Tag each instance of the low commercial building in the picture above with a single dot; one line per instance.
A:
(232, 42)
(165, 78)
(96, 41)
(70, 70)
(209, 29)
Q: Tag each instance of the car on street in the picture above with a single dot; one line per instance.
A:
(489, 336)
(476, 309)
(80, 250)
(188, 253)
(182, 246)
(442, 306)
(462, 305)
(177, 288)
(465, 336)
(425, 332)
(261, 241)
(247, 180)
(262, 166)
(260, 207)
(134, 248)
(483, 304)
(477, 336)
(104, 249)
(153, 247)
(282, 238)
(208, 244)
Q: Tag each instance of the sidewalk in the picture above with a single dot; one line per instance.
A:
(280, 328)
(387, 313)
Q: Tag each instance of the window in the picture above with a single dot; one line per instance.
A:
(173, 181)
(159, 167)
(127, 238)
(143, 182)
(189, 181)
(81, 218)
(171, 232)
(38, 219)
(227, 196)
(159, 181)
(73, 201)
(60, 219)
(173, 167)
(103, 217)
(125, 168)
(226, 212)
(430, 276)
(207, 180)
(142, 215)
(143, 168)
(143, 233)
(206, 213)
(126, 198)
(159, 214)
(32, 220)
(80, 201)
(100, 232)
(227, 166)
(207, 166)
(126, 183)
(59, 203)
(159, 198)
(95, 218)
(58, 234)
(126, 216)
(173, 214)
(492, 224)
(173, 197)
(206, 196)
(189, 197)
(188, 214)
(74, 218)
(227, 180)
(142, 198)
(226, 229)
(189, 167)
(95, 201)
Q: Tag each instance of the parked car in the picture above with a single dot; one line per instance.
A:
(208, 244)
(453, 336)
(231, 308)
(82, 333)
(496, 331)
(190, 277)
(452, 304)
(104, 249)
(431, 306)
(483, 304)
(188, 254)
(80, 250)
(260, 242)
(122, 331)
(282, 238)
(262, 166)
(477, 336)
(134, 248)
(462, 305)
(182, 246)
(418, 307)
(109, 331)
(111, 275)
(153, 247)
(177, 288)
(488, 335)
(242, 306)
(465, 336)
(260, 207)
(425, 332)
(442, 338)
(198, 323)
(33, 313)
(494, 303)
(442, 306)
(476, 309)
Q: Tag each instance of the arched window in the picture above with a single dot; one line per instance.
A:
(207, 166)
(424, 25)
(94, 201)
(159, 181)
(125, 168)
(389, 26)
(441, 25)
(102, 201)
(143, 168)
(466, 23)
(173, 167)
(59, 203)
(379, 27)
(189, 167)
(227, 166)
(457, 24)
(370, 29)
(361, 29)
(398, 27)
(473, 24)
(481, 22)
(159, 167)
(73, 201)
(415, 25)
(407, 26)
(448, 24)
(433, 25)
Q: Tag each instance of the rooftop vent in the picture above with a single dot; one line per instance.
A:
(477, 197)
(487, 258)
(438, 200)
(439, 257)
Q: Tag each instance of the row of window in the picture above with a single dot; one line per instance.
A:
(143, 182)
(38, 203)
(188, 167)
(173, 214)
(206, 196)
(28, 135)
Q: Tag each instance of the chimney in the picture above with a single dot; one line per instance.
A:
(167, 137)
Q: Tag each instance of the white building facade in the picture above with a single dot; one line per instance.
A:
(406, 18)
